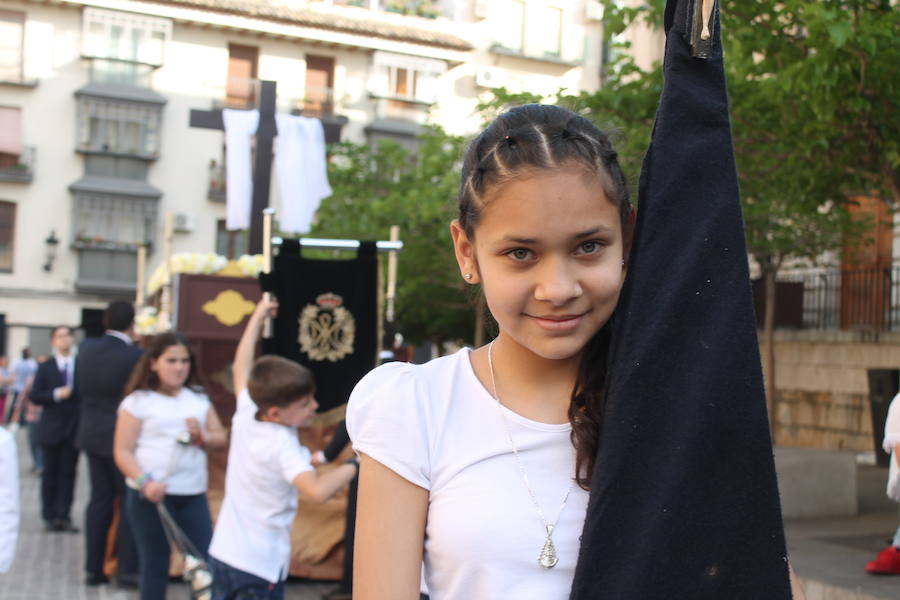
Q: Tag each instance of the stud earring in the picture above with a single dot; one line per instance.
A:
(468, 276)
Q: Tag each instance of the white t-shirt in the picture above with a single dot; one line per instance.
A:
(183, 468)
(253, 530)
(9, 499)
(891, 441)
(438, 427)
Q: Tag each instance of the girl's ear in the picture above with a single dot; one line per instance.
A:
(465, 253)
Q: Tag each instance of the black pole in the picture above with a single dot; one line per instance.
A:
(262, 170)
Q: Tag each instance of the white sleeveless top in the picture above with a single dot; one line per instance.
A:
(438, 427)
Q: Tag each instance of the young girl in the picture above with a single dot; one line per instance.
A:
(486, 455)
(164, 427)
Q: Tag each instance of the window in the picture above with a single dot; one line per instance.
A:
(230, 244)
(129, 37)
(113, 222)
(551, 31)
(318, 98)
(512, 32)
(12, 26)
(10, 136)
(118, 127)
(405, 77)
(7, 235)
(241, 86)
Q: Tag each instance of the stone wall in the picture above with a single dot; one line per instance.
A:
(822, 386)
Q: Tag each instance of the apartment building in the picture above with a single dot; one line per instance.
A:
(95, 98)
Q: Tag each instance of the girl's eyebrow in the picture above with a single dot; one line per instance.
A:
(599, 229)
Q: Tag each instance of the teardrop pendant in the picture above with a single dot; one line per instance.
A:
(548, 557)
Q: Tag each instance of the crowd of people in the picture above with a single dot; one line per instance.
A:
(145, 424)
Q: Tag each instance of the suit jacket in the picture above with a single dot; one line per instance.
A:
(59, 420)
(105, 364)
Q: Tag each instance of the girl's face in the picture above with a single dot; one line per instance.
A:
(548, 252)
(172, 367)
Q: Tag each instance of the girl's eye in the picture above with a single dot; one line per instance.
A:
(519, 254)
(592, 247)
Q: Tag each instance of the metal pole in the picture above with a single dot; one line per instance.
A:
(326, 244)
(268, 215)
(141, 269)
(392, 276)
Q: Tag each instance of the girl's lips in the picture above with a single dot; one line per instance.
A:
(558, 323)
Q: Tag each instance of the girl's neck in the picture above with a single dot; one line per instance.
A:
(533, 386)
(168, 390)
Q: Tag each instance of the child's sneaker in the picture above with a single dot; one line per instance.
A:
(886, 563)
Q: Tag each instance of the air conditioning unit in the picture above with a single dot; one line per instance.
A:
(480, 9)
(182, 223)
(489, 77)
(593, 10)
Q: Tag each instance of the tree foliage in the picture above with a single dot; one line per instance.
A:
(375, 188)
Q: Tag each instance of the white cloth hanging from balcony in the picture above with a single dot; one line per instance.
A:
(300, 166)
(240, 127)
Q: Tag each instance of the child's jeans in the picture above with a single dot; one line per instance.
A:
(191, 513)
(233, 584)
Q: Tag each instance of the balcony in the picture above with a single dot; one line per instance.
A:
(107, 271)
(121, 72)
(18, 168)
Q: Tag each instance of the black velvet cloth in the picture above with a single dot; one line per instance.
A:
(303, 284)
(684, 501)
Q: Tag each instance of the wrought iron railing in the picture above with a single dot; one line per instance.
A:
(845, 298)
(18, 168)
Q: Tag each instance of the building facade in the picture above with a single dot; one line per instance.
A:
(95, 97)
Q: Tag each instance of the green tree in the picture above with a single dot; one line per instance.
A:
(375, 188)
(814, 97)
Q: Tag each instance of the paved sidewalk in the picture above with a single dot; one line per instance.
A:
(829, 554)
(50, 566)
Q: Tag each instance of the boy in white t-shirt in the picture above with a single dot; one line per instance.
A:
(267, 466)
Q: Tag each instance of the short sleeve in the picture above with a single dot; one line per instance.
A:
(294, 459)
(245, 402)
(133, 405)
(387, 419)
(892, 425)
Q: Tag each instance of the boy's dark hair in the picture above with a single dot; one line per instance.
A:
(118, 316)
(277, 381)
(58, 327)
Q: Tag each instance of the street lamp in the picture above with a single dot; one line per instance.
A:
(50, 251)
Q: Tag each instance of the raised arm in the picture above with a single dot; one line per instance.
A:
(390, 534)
(246, 350)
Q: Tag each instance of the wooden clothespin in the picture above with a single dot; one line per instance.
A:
(701, 28)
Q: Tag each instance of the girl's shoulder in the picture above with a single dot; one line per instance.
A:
(415, 380)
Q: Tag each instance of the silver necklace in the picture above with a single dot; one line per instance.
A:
(548, 557)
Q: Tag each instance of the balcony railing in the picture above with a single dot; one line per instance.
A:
(419, 8)
(848, 299)
(120, 71)
(18, 168)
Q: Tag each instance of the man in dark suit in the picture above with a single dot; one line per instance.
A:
(56, 389)
(106, 363)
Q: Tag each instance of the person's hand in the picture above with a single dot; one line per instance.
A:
(154, 491)
(266, 308)
(64, 393)
(318, 458)
(193, 428)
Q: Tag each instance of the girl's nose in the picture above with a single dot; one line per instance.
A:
(557, 283)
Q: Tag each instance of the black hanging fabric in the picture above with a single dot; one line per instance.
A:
(327, 317)
(684, 502)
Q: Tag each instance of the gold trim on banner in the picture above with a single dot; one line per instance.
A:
(229, 308)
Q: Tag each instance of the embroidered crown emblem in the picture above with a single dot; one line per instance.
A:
(327, 329)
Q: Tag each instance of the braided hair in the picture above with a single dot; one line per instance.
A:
(539, 136)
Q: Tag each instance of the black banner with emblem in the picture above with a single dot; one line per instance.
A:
(327, 317)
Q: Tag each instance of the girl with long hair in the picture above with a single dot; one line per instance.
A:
(164, 428)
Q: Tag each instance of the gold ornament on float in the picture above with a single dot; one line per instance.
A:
(229, 308)
(327, 329)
